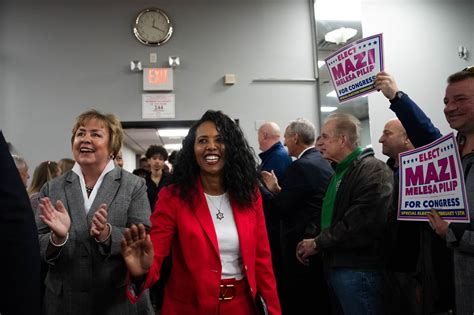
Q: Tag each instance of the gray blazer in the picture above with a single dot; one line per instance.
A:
(83, 278)
(463, 245)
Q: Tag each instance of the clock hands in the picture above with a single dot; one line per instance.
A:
(156, 27)
(152, 27)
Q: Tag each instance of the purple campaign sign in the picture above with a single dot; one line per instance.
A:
(353, 67)
(431, 177)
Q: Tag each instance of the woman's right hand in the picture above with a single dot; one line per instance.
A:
(57, 218)
(137, 250)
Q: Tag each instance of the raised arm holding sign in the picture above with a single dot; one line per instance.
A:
(459, 112)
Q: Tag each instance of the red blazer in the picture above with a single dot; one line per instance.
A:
(193, 286)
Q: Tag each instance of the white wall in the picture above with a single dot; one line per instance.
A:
(365, 133)
(2, 74)
(57, 60)
(129, 160)
(60, 59)
(421, 39)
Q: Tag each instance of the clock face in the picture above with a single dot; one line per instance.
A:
(152, 27)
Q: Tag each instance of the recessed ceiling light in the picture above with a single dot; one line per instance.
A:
(173, 146)
(172, 132)
(328, 109)
(331, 94)
(340, 35)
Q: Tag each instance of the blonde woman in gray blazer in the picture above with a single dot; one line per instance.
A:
(82, 216)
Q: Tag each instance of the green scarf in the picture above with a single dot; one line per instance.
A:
(330, 197)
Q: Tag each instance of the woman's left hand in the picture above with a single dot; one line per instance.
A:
(438, 225)
(99, 227)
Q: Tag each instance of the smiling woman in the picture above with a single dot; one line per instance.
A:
(211, 219)
(80, 243)
(209, 149)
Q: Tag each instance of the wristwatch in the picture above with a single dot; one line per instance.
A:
(398, 95)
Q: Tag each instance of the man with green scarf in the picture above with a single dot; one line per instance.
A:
(353, 219)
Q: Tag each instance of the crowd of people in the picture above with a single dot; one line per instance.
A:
(311, 229)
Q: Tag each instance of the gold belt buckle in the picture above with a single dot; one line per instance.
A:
(224, 289)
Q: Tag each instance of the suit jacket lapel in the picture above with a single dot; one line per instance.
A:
(107, 191)
(75, 202)
(203, 215)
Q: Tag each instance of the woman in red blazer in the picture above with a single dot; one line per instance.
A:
(211, 218)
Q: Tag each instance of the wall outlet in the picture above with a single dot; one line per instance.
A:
(153, 57)
(229, 79)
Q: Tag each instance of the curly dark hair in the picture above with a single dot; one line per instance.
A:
(156, 149)
(240, 173)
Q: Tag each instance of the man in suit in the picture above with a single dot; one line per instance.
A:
(20, 263)
(299, 198)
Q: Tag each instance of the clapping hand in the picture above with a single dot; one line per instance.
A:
(271, 181)
(57, 218)
(99, 227)
(137, 250)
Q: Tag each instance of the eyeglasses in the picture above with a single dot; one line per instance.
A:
(469, 69)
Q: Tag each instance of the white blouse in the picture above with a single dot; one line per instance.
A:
(227, 236)
(88, 200)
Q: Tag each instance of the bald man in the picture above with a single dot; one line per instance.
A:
(419, 265)
(394, 141)
(274, 158)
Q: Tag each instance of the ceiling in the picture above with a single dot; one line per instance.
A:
(138, 136)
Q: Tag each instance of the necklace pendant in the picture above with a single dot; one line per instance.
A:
(219, 215)
(89, 189)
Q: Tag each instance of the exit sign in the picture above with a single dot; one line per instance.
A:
(158, 79)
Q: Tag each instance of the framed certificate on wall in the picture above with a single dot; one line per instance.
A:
(158, 106)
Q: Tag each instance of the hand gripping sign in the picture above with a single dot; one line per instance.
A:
(354, 66)
(431, 177)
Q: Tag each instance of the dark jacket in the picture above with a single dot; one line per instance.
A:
(20, 262)
(275, 159)
(299, 203)
(301, 198)
(363, 200)
(403, 237)
(152, 189)
(435, 261)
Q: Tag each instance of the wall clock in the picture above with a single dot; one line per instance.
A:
(152, 27)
